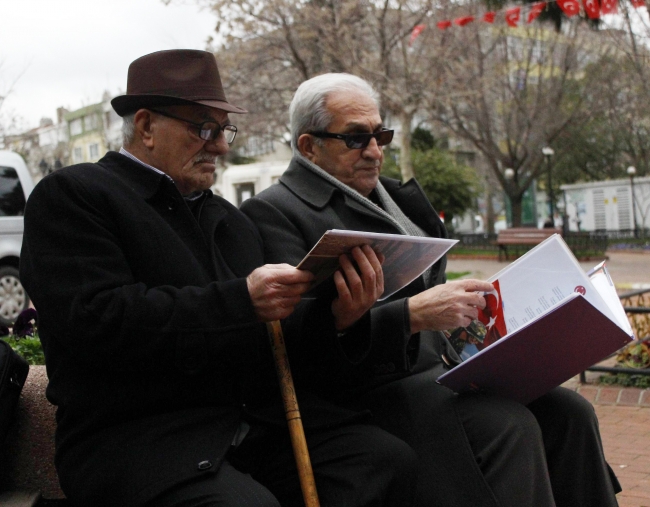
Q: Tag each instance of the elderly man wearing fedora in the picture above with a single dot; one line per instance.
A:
(152, 296)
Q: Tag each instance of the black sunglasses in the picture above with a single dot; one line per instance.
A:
(359, 141)
(207, 130)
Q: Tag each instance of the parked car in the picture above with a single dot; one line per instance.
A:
(16, 184)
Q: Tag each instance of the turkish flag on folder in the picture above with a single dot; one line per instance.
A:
(492, 316)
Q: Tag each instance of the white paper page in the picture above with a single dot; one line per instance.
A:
(603, 283)
(538, 281)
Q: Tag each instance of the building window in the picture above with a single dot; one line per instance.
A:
(93, 151)
(76, 127)
(90, 122)
(77, 155)
(244, 191)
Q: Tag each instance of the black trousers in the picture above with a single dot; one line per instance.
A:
(354, 466)
(479, 450)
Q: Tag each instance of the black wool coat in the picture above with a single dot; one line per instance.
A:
(153, 350)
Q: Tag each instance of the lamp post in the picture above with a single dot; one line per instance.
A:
(509, 174)
(548, 153)
(631, 171)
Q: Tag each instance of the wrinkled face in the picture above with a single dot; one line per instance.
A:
(352, 112)
(180, 152)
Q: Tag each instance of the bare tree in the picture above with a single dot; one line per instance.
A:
(268, 48)
(512, 92)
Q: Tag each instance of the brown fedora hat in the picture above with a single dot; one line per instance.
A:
(174, 77)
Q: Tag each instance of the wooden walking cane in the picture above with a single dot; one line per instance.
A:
(296, 431)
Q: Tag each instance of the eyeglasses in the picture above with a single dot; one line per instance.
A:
(359, 141)
(207, 130)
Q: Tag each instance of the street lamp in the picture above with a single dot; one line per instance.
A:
(548, 153)
(631, 171)
(509, 174)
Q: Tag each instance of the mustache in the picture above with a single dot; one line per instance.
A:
(205, 157)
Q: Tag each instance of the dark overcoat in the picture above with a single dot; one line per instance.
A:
(396, 377)
(153, 349)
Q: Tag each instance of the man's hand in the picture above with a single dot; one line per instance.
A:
(447, 306)
(357, 290)
(275, 290)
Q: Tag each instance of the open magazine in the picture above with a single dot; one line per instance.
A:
(545, 303)
(406, 257)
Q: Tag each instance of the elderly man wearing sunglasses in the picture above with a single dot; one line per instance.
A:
(474, 450)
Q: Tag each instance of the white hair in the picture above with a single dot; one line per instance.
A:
(308, 109)
(128, 129)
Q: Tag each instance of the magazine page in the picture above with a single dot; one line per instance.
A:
(406, 257)
(527, 289)
(603, 283)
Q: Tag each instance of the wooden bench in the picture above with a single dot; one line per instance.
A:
(521, 236)
(27, 474)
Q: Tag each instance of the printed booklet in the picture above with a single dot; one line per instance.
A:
(406, 257)
(545, 321)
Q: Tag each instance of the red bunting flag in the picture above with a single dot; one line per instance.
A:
(464, 20)
(609, 6)
(417, 30)
(637, 3)
(569, 7)
(591, 8)
(488, 17)
(535, 10)
(512, 16)
(443, 25)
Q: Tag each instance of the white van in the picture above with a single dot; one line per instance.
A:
(16, 184)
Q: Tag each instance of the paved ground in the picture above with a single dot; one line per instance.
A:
(624, 414)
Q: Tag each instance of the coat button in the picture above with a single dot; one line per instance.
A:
(171, 205)
(391, 367)
(204, 465)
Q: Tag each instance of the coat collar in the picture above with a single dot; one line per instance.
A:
(307, 185)
(142, 180)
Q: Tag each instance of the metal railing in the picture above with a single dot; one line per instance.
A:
(637, 307)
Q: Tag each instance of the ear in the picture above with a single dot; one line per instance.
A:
(143, 127)
(307, 147)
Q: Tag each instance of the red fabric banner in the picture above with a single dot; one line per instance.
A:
(464, 20)
(512, 16)
(569, 7)
(417, 30)
(443, 25)
(609, 6)
(535, 10)
(637, 3)
(488, 17)
(591, 8)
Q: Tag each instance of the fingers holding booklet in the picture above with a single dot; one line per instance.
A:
(447, 306)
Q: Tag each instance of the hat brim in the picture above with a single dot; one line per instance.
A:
(127, 104)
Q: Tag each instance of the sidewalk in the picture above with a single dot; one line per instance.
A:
(623, 413)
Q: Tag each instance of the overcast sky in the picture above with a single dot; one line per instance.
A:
(67, 52)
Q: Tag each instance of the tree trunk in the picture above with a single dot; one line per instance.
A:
(515, 207)
(405, 160)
